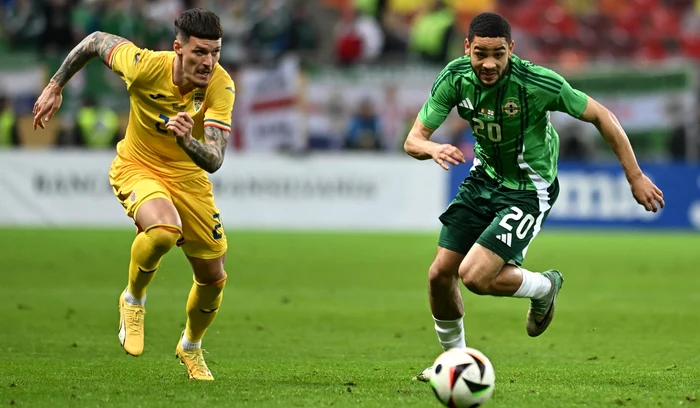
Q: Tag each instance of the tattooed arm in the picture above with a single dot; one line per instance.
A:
(97, 44)
(209, 155)
(94, 45)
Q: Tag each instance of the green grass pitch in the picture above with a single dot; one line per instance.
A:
(342, 320)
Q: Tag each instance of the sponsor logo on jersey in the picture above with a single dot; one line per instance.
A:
(179, 108)
(467, 103)
(505, 238)
(156, 96)
(511, 108)
(198, 101)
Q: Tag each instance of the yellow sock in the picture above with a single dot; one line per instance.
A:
(148, 249)
(202, 308)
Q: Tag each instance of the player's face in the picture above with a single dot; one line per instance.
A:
(489, 57)
(199, 57)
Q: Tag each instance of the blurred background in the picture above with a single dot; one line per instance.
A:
(348, 77)
(332, 228)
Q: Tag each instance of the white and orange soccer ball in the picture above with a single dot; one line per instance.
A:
(463, 378)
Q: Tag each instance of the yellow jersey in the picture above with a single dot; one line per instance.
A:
(154, 98)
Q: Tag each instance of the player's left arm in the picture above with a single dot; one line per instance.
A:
(583, 107)
(609, 127)
(644, 191)
(209, 153)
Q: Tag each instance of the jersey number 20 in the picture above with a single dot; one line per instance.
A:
(493, 130)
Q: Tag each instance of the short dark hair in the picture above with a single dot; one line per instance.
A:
(492, 25)
(200, 23)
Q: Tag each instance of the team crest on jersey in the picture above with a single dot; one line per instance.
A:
(511, 108)
(198, 101)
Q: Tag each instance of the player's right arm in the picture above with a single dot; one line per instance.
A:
(418, 145)
(97, 44)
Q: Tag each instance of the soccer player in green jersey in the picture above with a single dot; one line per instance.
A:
(502, 204)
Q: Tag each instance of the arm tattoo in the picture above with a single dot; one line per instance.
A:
(97, 44)
(209, 155)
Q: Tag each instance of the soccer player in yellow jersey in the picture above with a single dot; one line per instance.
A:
(179, 123)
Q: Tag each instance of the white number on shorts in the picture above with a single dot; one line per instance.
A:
(493, 130)
(524, 226)
(518, 214)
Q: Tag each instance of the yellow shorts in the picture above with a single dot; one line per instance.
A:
(202, 231)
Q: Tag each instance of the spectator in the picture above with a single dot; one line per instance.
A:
(57, 37)
(433, 33)
(97, 127)
(392, 120)
(303, 31)
(364, 130)
(358, 38)
(9, 133)
(269, 35)
(22, 25)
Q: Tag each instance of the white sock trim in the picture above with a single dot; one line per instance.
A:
(130, 299)
(534, 286)
(189, 345)
(450, 333)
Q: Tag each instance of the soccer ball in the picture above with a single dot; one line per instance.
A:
(463, 378)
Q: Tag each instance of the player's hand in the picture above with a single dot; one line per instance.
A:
(647, 194)
(446, 153)
(181, 125)
(48, 103)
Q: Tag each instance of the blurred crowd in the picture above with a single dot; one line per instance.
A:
(255, 30)
(574, 32)
(331, 34)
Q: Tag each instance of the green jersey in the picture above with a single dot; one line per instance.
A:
(515, 141)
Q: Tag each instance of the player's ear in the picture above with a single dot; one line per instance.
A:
(466, 46)
(511, 46)
(177, 47)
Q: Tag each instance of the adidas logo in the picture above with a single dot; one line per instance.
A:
(467, 104)
(505, 238)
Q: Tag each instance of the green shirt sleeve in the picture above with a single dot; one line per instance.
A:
(567, 100)
(443, 97)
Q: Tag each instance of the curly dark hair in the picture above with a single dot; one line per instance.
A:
(490, 25)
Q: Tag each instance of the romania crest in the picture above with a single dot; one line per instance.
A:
(198, 101)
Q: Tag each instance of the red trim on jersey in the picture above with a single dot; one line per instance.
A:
(228, 129)
(109, 56)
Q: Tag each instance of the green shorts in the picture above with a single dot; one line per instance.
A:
(498, 218)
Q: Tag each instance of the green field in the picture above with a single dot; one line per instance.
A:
(342, 320)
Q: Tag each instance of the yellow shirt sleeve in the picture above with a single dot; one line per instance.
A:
(127, 60)
(220, 105)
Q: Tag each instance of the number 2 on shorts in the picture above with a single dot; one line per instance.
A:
(216, 233)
